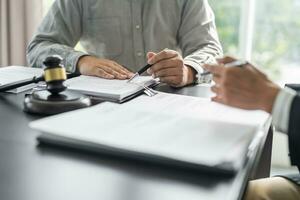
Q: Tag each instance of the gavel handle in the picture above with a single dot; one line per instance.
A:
(73, 75)
(27, 82)
(20, 84)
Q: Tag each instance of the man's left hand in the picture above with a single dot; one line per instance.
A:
(169, 67)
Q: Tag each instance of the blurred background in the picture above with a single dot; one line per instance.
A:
(266, 32)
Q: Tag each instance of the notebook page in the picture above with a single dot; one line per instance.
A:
(14, 74)
(108, 88)
(179, 127)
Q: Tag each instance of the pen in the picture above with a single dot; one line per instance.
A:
(237, 63)
(139, 72)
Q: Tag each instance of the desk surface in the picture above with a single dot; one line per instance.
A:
(29, 172)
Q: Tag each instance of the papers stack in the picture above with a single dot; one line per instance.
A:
(16, 74)
(182, 131)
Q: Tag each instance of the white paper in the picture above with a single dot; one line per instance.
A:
(117, 89)
(179, 127)
(12, 74)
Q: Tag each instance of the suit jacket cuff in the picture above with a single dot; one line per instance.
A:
(281, 109)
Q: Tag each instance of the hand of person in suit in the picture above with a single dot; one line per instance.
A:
(168, 66)
(243, 87)
(92, 66)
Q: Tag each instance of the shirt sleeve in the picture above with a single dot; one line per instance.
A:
(198, 36)
(281, 109)
(58, 34)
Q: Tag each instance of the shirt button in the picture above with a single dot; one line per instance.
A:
(137, 27)
(139, 54)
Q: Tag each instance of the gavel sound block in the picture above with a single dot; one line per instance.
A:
(56, 98)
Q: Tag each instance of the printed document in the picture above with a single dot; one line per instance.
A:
(188, 129)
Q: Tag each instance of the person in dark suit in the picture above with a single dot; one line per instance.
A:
(248, 88)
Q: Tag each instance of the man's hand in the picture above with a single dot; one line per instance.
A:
(92, 66)
(243, 87)
(168, 66)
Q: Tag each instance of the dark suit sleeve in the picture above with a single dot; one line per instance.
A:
(294, 132)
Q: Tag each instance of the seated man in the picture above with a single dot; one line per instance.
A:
(248, 88)
(119, 37)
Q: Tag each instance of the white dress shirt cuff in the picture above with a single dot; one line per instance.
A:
(199, 70)
(281, 109)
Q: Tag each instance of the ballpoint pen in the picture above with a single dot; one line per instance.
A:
(139, 72)
(237, 63)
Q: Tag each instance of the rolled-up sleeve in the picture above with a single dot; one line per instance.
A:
(198, 37)
(58, 34)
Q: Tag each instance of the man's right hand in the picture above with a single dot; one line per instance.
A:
(92, 66)
(243, 87)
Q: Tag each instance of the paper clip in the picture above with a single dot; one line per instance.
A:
(150, 92)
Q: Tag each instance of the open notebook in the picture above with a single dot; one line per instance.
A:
(15, 74)
(111, 90)
(176, 130)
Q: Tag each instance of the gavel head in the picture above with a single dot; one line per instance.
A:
(54, 74)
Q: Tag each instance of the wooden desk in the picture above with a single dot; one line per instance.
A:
(29, 172)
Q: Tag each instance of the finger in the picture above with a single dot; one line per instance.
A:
(217, 79)
(103, 74)
(115, 67)
(168, 72)
(174, 81)
(226, 59)
(164, 54)
(128, 71)
(125, 69)
(149, 71)
(217, 99)
(216, 69)
(168, 63)
(215, 89)
(119, 68)
(116, 74)
(122, 70)
(150, 55)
